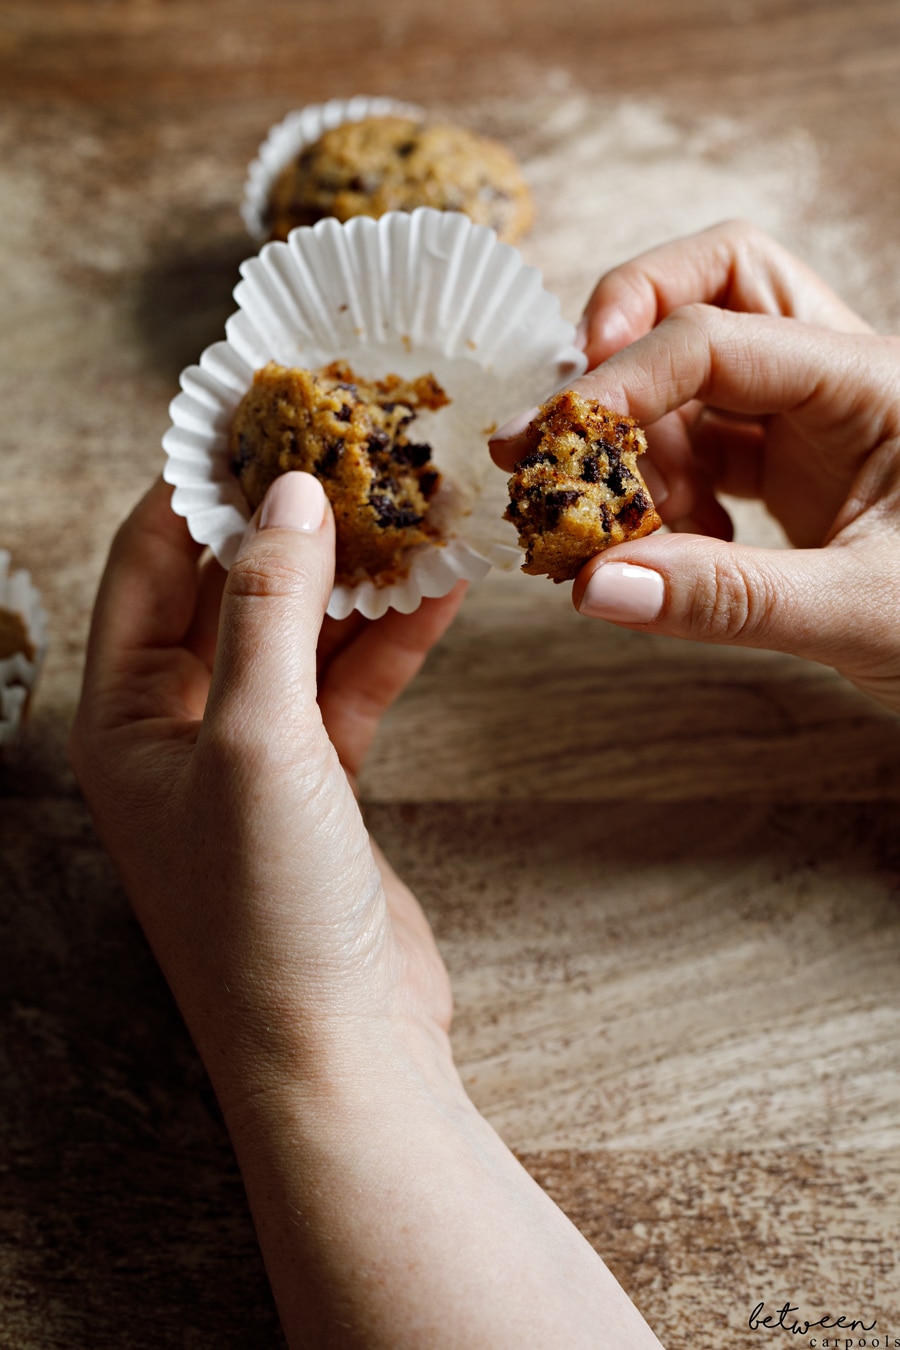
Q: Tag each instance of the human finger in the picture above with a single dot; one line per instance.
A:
(840, 388)
(682, 490)
(739, 363)
(730, 452)
(202, 634)
(733, 265)
(273, 605)
(337, 634)
(367, 676)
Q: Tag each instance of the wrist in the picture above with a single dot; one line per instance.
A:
(330, 1074)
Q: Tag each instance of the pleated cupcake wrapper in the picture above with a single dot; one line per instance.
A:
(410, 293)
(293, 134)
(18, 675)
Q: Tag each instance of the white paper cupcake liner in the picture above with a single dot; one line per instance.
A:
(18, 674)
(410, 293)
(294, 133)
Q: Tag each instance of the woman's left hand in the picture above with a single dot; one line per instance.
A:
(221, 728)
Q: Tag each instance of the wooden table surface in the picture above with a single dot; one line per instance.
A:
(675, 961)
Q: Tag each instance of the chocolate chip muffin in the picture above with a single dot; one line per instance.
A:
(578, 488)
(382, 164)
(352, 434)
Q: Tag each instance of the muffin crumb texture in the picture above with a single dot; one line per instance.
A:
(352, 434)
(578, 488)
(381, 164)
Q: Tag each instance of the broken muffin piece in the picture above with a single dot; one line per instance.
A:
(578, 489)
(350, 433)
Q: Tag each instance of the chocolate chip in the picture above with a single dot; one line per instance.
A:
(344, 413)
(590, 469)
(618, 479)
(538, 457)
(556, 502)
(427, 483)
(633, 512)
(243, 455)
(408, 413)
(417, 454)
(330, 457)
(618, 475)
(390, 515)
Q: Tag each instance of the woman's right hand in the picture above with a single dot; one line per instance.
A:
(752, 379)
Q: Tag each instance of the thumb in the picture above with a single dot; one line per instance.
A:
(809, 602)
(272, 608)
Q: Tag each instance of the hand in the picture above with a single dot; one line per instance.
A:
(220, 785)
(216, 749)
(753, 379)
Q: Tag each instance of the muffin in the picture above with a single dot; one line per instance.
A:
(398, 163)
(352, 434)
(578, 488)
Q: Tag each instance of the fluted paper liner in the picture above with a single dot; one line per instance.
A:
(410, 293)
(294, 133)
(18, 674)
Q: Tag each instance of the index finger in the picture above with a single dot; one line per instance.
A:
(754, 365)
(843, 387)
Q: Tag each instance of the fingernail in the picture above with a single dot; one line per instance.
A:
(581, 334)
(515, 426)
(623, 593)
(294, 501)
(613, 331)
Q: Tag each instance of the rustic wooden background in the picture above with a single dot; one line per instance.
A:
(675, 960)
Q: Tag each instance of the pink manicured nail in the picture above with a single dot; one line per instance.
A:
(515, 426)
(623, 593)
(294, 501)
(613, 330)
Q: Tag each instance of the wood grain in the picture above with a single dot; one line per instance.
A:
(665, 878)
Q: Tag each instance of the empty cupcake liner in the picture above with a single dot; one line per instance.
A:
(410, 293)
(18, 673)
(294, 133)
